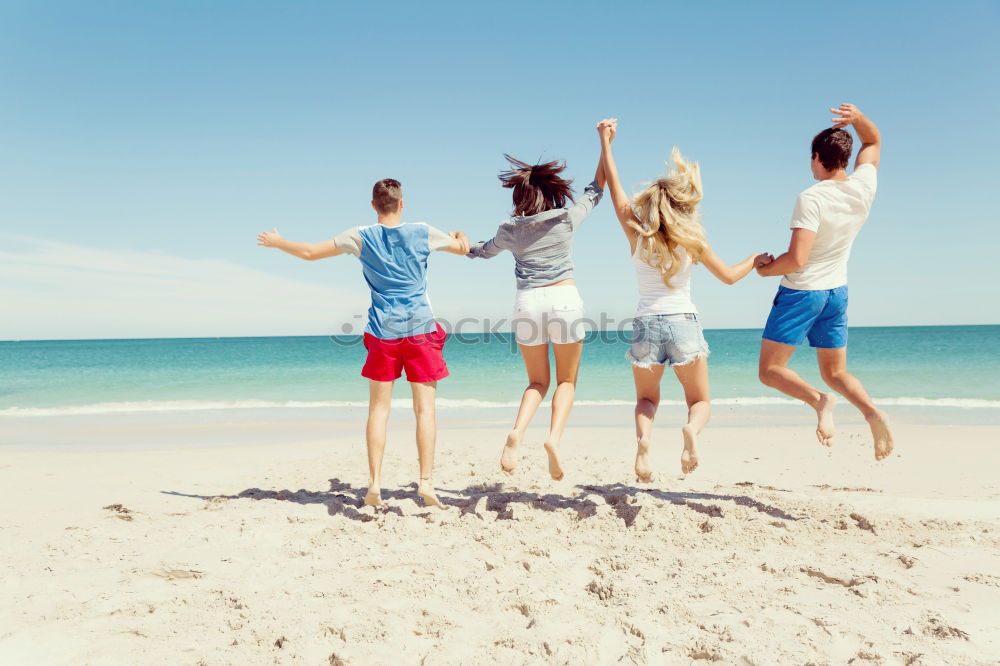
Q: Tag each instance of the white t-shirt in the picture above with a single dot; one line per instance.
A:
(836, 210)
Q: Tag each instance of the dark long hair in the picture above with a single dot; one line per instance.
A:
(537, 188)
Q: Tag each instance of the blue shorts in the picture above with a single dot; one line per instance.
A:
(820, 315)
(674, 339)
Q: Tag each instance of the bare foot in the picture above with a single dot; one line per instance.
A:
(426, 492)
(689, 457)
(555, 465)
(374, 497)
(824, 414)
(879, 424)
(508, 457)
(643, 473)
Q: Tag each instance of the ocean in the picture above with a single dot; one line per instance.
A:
(919, 367)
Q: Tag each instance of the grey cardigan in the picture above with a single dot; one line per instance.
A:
(540, 243)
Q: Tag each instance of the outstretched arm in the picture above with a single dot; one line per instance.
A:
(307, 251)
(871, 139)
(485, 249)
(607, 129)
(459, 243)
(731, 274)
(795, 258)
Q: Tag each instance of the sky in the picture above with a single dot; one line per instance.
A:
(143, 146)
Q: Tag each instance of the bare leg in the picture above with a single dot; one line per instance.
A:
(773, 372)
(423, 407)
(833, 367)
(647, 399)
(694, 378)
(567, 367)
(379, 401)
(536, 363)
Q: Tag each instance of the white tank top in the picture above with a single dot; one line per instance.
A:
(656, 298)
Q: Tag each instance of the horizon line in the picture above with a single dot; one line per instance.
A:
(355, 335)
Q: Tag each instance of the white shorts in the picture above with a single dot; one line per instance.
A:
(548, 314)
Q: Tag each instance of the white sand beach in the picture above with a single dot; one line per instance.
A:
(775, 551)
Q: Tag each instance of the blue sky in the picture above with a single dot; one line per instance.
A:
(144, 145)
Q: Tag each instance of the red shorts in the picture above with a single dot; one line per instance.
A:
(420, 355)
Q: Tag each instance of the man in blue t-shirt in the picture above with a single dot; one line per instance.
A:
(401, 333)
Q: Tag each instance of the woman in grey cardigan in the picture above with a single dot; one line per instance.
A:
(548, 308)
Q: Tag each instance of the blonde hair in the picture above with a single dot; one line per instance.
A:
(667, 219)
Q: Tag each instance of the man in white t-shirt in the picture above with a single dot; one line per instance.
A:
(812, 299)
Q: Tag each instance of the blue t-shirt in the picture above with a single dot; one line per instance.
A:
(394, 262)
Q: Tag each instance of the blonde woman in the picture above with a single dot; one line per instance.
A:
(666, 239)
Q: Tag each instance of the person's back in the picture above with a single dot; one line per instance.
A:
(811, 303)
(401, 334)
(547, 307)
(541, 243)
(394, 263)
(835, 210)
(657, 297)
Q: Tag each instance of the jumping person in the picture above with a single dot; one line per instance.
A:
(401, 333)
(666, 239)
(811, 302)
(548, 308)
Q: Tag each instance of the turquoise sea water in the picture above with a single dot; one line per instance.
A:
(946, 366)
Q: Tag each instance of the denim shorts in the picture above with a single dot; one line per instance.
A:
(820, 315)
(673, 339)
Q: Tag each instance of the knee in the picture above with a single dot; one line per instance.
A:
(649, 401)
(832, 377)
(423, 410)
(765, 375)
(541, 387)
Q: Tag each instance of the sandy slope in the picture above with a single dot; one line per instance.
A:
(775, 551)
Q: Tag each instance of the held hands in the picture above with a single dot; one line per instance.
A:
(607, 129)
(848, 114)
(269, 238)
(462, 239)
(761, 260)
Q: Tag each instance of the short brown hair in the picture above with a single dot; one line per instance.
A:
(386, 195)
(833, 146)
(538, 187)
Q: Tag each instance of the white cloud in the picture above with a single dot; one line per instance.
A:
(53, 290)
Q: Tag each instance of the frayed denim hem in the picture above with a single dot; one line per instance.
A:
(691, 359)
(647, 365)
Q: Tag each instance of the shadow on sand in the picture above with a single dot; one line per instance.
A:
(342, 499)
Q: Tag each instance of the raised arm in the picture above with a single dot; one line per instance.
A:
(307, 251)
(731, 274)
(607, 129)
(871, 139)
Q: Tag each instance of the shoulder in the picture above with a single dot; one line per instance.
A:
(865, 173)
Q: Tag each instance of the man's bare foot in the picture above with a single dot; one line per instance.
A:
(508, 457)
(824, 415)
(689, 457)
(643, 473)
(374, 497)
(555, 465)
(426, 492)
(881, 434)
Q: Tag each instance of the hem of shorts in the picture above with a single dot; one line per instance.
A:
(646, 365)
(379, 379)
(828, 346)
(782, 342)
(432, 378)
